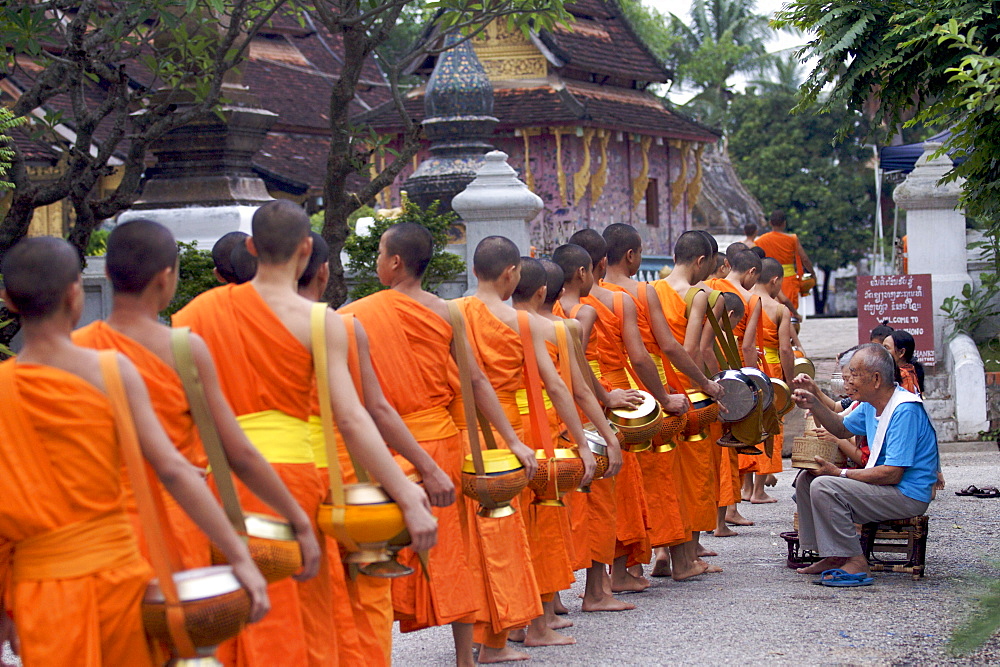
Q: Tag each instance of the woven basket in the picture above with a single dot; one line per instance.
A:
(699, 419)
(276, 559)
(805, 447)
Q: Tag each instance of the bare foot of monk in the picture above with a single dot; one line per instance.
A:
(724, 531)
(558, 606)
(517, 635)
(747, 489)
(605, 603)
(770, 480)
(691, 569)
(661, 566)
(702, 552)
(635, 570)
(628, 583)
(762, 498)
(489, 655)
(734, 517)
(551, 620)
(709, 568)
(539, 634)
(827, 563)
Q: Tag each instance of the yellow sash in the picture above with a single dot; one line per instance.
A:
(280, 438)
(522, 400)
(594, 366)
(76, 550)
(789, 270)
(771, 355)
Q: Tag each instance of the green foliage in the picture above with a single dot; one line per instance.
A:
(98, 244)
(195, 276)
(972, 310)
(362, 251)
(649, 24)
(8, 121)
(5, 352)
(983, 622)
(788, 162)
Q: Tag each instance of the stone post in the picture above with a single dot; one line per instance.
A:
(496, 203)
(935, 230)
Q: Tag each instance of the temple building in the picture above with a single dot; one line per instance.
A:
(581, 128)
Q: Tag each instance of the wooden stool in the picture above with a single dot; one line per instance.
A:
(797, 556)
(899, 536)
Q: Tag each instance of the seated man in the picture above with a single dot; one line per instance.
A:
(896, 483)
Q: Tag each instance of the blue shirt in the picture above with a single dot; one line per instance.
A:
(910, 443)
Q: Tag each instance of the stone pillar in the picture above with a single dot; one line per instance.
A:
(935, 230)
(496, 203)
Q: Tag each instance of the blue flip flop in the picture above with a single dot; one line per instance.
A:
(838, 578)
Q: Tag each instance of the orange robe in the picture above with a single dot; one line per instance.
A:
(783, 247)
(265, 372)
(666, 524)
(696, 469)
(410, 347)
(593, 516)
(500, 546)
(166, 393)
(70, 568)
(632, 512)
(771, 366)
(550, 551)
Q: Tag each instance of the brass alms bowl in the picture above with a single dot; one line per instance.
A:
(365, 524)
(556, 477)
(639, 425)
(272, 546)
(504, 480)
(704, 411)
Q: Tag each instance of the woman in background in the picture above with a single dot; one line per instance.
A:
(901, 346)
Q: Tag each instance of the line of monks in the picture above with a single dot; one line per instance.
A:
(73, 561)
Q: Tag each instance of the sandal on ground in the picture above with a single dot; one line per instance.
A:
(988, 492)
(970, 490)
(838, 578)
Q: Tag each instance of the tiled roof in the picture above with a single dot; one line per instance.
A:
(574, 104)
(297, 158)
(600, 41)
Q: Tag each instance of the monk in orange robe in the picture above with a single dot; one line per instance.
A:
(369, 606)
(141, 264)
(259, 333)
(776, 341)
(497, 341)
(549, 530)
(697, 462)
(71, 575)
(411, 351)
(624, 257)
(784, 247)
(593, 516)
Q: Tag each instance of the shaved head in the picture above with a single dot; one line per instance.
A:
(412, 243)
(711, 240)
(593, 243)
(554, 279)
(137, 251)
(222, 253)
(532, 279)
(278, 229)
(244, 264)
(320, 256)
(493, 256)
(745, 261)
(571, 258)
(620, 239)
(735, 249)
(778, 218)
(734, 304)
(690, 246)
(770, 269)
(36, 274)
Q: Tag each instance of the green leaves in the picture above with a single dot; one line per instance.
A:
(8, 121)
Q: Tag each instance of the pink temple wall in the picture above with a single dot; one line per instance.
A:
(557, 222)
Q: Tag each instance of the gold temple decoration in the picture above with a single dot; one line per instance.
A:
(507, 54)
(558, 132)
(581, 179)
(526, 134)
(694, 187)
(679, 186)
(600, 177)
(642, 180)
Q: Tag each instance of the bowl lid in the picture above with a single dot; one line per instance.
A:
(495, 461)
(741, 395)
(268, 527)
(364, 493)
(197, 584)
(647, 408)
(763, 382)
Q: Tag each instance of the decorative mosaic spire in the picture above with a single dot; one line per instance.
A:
(458, 120)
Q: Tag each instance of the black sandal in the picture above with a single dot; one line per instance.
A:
(988, 492)
(969, 491)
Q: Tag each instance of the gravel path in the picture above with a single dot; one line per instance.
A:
(760, 612)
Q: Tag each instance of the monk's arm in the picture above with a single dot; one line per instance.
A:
(365, 443)
(695, 325)
(585, 398)
(252, 468)
(787, 303)
(562, 400)
(795, 340)
(807, 264)
(643, 364)
(440, 489)
(587, 317)
(185, 483)
(488, 403)
(750, 337)
(785, 344)
(674, 351)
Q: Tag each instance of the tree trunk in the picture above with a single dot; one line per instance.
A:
(822, 294)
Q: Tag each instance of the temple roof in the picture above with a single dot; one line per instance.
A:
(570, 103)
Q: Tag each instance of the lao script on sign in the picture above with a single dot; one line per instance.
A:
(903, 300)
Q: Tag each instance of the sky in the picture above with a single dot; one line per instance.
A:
(681, 8)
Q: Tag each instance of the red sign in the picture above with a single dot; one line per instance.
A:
(903, 300)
